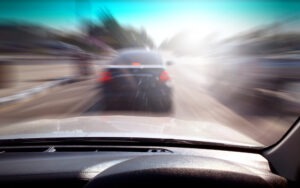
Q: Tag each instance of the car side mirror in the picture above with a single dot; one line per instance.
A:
(169, 63)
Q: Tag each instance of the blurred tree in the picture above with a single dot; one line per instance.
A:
(110, 31)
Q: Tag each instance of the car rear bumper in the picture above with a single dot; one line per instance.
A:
(154, 100)
(137, 95)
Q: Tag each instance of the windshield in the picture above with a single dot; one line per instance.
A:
(231, 69)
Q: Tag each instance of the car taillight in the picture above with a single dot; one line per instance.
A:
(105, 77)
(164, 76)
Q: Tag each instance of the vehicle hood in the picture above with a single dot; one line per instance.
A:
(128, 126)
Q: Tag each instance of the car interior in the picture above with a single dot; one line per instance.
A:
(135, 163)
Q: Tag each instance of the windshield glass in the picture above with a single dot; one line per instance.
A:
(232, 71)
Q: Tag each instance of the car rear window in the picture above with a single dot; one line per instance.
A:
(145, 58)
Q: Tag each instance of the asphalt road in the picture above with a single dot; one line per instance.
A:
(193, 100)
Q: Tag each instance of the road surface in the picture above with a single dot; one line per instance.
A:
(192, 101)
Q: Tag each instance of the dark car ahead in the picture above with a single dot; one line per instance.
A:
(136, 79)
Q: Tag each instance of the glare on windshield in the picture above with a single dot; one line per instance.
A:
(216, 70)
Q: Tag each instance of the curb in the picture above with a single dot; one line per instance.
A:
(29, 92)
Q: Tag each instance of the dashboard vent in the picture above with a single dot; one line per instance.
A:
(158, 150)
(106, 149)
(23, 149)
(51, 149)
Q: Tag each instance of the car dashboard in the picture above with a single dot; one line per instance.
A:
(128, 166)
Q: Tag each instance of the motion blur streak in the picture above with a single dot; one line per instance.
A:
(245, 75)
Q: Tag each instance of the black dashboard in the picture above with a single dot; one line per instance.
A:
(113, 166)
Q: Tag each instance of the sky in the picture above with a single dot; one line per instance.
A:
(161, 19)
